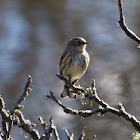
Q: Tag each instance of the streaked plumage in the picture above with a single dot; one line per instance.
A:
(74, 61)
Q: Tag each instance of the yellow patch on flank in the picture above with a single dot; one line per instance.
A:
(63, 61)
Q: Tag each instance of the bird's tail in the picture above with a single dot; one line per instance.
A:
(68, 93)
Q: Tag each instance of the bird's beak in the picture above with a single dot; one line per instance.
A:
(86, 43)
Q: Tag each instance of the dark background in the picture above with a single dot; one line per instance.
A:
(33, 35)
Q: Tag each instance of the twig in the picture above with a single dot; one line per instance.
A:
(1, 136)
(83, 134)
(24, 94)
(123, 25)
(27, 126)
(94, 137)
(49, 132)
(84, 113)
(53, 129)
(70, 137)
(5, 118)
(17, 105)
(10, 125)
(44, 125)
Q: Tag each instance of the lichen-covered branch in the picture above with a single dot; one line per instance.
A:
(103, 108)
(123, 25)
(25, 93)
(44, 125)
(27, 126)
(5, 119)
(52, 129)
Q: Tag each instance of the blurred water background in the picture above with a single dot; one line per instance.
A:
(33, 35)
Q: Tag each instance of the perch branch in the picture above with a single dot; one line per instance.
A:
(70, 85)
(91, 94)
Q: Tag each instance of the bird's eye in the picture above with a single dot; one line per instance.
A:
(77, 42)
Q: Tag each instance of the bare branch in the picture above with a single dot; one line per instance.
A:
(123, 25)
(83, 134)
(27, 126)
(44, 125)
(10, 125)
(5, 119)
(24, 94)
(84, 113)
(48, 132)
(53, 129)
(94, 137)
(70, 137)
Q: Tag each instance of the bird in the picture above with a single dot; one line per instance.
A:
(74, 62)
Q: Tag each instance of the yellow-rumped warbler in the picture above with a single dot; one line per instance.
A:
(74, 62)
